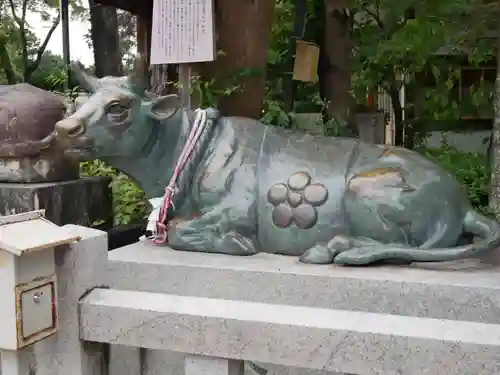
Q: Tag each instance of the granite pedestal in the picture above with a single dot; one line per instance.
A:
(84, 201)
(435, 318)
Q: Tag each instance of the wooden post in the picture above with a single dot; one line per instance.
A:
(144, 37)
(243, 29)
(185, 85)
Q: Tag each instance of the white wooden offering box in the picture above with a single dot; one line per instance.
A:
(28, 285)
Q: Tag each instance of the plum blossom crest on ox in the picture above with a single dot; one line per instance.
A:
(116, 119)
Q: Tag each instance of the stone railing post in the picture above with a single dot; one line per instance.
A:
(200, 365)
(79, 268)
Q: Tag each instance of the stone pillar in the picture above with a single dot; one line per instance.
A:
(16, 363)
(199, 365)
(83, 201)
(79, 268)
(371, 127)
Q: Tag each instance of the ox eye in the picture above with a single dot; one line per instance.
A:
(117, 112)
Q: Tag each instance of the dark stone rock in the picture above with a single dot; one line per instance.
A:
(28, 148)
(27, 115)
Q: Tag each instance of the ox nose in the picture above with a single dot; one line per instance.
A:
(70, 127)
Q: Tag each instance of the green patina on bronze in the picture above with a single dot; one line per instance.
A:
(252, 188)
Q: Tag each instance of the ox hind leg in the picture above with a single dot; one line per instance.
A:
(395, 209)
(350, 246)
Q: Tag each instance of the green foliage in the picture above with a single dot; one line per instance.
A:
(280, 65)
(210, 92)
(421, 45)
(50, 74)
(129, 201)
(471, 170)
(21, 53)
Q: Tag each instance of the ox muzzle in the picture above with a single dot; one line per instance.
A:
(70, 133)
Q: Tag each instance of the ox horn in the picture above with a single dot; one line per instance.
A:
(47, 141)
(87, 81)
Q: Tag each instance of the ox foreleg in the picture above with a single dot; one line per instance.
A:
(325, 253)
(209, 234)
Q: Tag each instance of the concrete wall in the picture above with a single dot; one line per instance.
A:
(476, 141)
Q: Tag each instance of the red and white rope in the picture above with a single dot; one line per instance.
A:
(200, 122)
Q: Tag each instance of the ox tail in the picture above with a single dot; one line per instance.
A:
(478, 225)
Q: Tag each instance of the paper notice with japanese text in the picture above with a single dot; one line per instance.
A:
(183, 31)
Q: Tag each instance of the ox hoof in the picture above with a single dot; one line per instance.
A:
(233, 243)
(339, 244)
(318, 254)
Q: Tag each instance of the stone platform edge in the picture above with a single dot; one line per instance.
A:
(331, 340)
(467, 290)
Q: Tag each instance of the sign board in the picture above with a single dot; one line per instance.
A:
(183, 31)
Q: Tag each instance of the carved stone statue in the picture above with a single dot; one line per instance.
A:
(251, 188)
(28, 152)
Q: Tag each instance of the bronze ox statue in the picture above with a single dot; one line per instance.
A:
(251, 188)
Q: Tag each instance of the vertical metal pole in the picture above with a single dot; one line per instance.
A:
(185, 83)
(64, 11)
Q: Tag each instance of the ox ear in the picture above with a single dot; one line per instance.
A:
(87, 81)
(164, 107)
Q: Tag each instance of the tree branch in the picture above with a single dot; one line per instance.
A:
(41, 50)
(14, 14)
(24, 9)
(21, 22)
(375, 15)
(6, 62)
(22, 32)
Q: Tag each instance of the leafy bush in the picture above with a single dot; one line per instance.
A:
(129, 201)
(471, 170)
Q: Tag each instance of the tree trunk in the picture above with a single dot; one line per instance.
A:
(6, 62)
(105, 40)
(335, 75)
(494, 201)
(243, 29)
(165, 79)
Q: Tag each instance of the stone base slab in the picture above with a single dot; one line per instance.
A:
(467, 290)
(323, 339)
